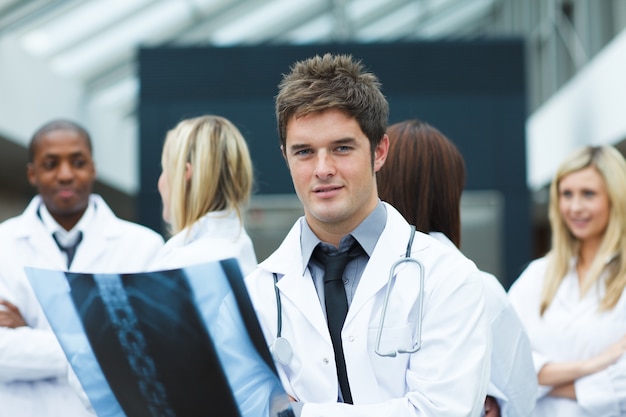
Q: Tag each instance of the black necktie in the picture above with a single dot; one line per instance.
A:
(69, 250)
(337, 306)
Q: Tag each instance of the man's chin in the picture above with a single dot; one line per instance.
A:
(328, 216)
(67, 210)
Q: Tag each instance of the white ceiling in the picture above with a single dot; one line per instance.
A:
(95, 41)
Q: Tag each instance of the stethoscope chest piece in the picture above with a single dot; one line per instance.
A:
(281, 350)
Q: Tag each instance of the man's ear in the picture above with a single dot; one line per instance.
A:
(380, 153)
(30, 174)
(188, 171)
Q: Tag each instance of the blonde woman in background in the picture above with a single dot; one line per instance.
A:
(572, 300)
(205, 184)
(206, 181)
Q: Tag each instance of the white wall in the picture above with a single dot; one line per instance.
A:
(589, 109)
(31, 94)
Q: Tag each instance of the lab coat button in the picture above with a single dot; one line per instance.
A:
(351, 338)
(326, 361)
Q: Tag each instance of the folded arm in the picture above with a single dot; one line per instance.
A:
(10, 315)
(563, 373)
(26, 353)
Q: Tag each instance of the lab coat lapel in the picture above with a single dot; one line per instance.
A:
(295, 283)
(38, 242)
(297, 289)
(390, 247)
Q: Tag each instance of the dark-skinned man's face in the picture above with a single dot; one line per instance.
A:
(63, 172)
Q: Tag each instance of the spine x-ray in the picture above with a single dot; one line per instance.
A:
(181, 342)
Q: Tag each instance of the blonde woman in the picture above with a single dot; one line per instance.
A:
(571, 301)
(206, 182)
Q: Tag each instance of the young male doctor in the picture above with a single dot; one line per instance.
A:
(430, 356)
(33, 368)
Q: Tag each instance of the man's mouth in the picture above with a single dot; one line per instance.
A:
(66, 193)
(327, 191)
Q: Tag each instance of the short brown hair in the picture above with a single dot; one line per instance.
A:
(332, 82)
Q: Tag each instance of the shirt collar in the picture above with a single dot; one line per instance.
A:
(66, 237)
(366, 233)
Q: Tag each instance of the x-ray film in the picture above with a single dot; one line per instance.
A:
(181, 342)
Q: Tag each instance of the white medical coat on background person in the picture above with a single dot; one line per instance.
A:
(217, 235)
(513, 381)
(33, 368)
(572, 329)
(448, 376)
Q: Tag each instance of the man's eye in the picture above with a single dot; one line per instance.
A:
(49, 164)
(79, 163)
(343, 148)
(303, 152)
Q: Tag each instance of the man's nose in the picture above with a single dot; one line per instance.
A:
(65, 171)
(325, 165)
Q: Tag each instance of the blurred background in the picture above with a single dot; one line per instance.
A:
(516, 84)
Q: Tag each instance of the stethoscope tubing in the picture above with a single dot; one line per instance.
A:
(281, 348)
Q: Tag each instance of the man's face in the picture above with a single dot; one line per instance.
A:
(63, 172)
(330, 161)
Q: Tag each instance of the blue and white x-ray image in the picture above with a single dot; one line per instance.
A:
(182, 342)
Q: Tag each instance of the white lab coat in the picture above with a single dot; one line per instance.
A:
(447, 377)
(513, 381)
(217, 235)
(573, 329)
(33, 368)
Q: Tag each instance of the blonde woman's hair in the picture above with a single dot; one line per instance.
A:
(221, 169)
(611, 256)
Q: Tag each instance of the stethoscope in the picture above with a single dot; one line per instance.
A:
(281, 348)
